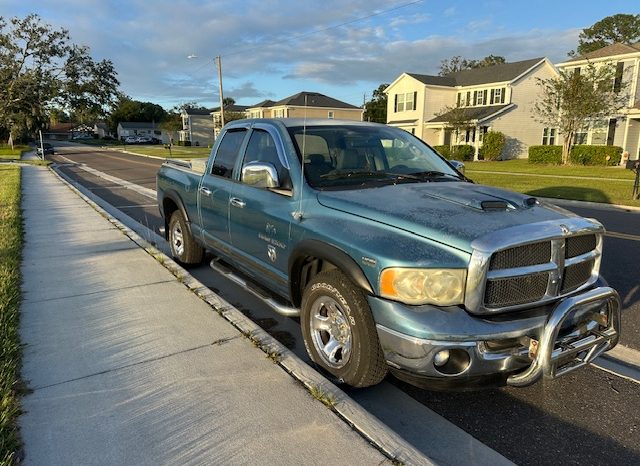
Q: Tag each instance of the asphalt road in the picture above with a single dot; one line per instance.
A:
(589, 417)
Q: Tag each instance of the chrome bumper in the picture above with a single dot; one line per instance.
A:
(579, 329)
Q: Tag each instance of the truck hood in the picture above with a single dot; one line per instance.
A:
(454, 213)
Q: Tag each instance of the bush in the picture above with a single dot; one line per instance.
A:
(462, 152)
(182, 143)
(545, 154)
(492, 145)
(595, 155)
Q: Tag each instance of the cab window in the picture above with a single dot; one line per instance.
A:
(228, 152)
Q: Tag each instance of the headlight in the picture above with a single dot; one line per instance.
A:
(441, 287)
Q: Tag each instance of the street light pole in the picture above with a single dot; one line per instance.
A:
(219, 60)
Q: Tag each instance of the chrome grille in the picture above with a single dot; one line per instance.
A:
(532, 265)
(521, 256)
(575, 275)
(578, 245)
(517, 290)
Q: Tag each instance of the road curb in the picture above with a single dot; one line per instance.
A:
(368, 426)
(592, 205)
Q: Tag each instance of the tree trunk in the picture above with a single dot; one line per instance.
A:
(566, 147)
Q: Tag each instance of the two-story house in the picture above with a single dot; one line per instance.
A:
(216, 118)
(306, 104)
(619, 130)
(197, 127)
(498, 98)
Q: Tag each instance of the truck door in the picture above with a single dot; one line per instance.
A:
(215, 189)
(259, 218)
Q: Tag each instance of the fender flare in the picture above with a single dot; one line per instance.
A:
(328, 252)
(177, 200)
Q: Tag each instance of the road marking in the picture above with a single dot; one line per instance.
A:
(105, 153)
(150, 193)
(615, 234)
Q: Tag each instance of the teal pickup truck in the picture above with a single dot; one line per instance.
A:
(391, 258)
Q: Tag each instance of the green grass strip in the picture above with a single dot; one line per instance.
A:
(6, 153)
(11, 237)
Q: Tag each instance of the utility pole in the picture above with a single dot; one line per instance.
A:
(219, 60)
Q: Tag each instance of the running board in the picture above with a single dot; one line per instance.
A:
(254, 290)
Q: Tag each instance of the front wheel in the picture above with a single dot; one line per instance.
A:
(339, 331)
(184, 249)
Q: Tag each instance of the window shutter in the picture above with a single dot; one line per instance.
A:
(504, 92)
(484, 95)
(475, 96)
(415, 100)
(395, 103)
(493, 91)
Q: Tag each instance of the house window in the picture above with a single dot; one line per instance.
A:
(480, 97)
(617, 82)
(278, 113)
(599, 133)
(405, 102)
(581, 136)
(330, 114)
(549, 136)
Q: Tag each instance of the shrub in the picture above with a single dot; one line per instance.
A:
(545, 154)
(492, 145)
(444, 151)
(595, 155)
(462, 152)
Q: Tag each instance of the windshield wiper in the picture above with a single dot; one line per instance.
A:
(363, 174)
(434, 174)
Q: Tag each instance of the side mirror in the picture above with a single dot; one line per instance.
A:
(260, 175)
(457, 165)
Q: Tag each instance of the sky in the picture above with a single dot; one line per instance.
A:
(271, 49)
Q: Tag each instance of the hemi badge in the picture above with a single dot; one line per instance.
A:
(368, 261)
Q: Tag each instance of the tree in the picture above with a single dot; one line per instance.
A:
(376, 108)
(457, 119)
(228, 101)
(458, 63)
(41, 68)
(573, 100)
(128, 109)
(616, 28)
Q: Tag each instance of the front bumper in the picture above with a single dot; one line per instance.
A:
(518, 351)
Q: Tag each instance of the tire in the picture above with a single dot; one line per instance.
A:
(184, 249)
(338, 329)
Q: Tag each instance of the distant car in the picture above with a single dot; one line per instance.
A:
(48, 149)
(144, 140)
(131, 140)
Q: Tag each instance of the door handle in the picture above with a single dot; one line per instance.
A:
(237, 202)
(205, 191)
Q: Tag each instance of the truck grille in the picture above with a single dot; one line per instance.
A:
(538, 272)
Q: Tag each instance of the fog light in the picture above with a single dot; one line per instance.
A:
(441, 358)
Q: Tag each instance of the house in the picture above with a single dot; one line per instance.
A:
(197, 127)
(306, 104)
(228, 109)
(81, 131)
(498, 98)
(135, 128)
(59, 131)
(619, 130)
(101, 128)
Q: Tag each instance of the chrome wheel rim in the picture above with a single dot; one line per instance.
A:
(177, 239)
(330, 332)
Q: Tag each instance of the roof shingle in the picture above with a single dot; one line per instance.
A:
(609, 51)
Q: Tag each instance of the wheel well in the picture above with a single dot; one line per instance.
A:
(168, 207)
(303, 272)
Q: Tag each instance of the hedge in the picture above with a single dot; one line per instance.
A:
(580, 155)
(462, 152)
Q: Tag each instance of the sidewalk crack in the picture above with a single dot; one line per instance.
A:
(218, 342)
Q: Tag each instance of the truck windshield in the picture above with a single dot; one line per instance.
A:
(343, 156)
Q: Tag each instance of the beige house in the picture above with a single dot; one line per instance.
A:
(306, 104)
(498, 98)
(619, 130)
(197, 127)
(228, 109)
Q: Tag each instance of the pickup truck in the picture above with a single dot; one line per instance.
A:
(391, 258)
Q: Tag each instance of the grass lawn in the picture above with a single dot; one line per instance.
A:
(10, 253)
(612, 185)
(7, 154)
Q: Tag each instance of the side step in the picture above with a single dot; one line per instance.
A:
(280, 308)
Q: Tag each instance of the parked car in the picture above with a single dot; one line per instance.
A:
(48, 149)
(144, 140)
(131, 139)
(391, 259)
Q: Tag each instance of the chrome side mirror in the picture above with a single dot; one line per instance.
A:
(260, 175)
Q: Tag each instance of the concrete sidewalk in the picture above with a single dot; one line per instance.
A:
(127, 366)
